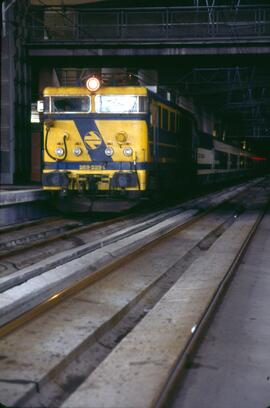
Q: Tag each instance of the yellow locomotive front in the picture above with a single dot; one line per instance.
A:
(96, 143)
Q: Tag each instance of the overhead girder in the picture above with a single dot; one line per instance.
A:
(244, 91)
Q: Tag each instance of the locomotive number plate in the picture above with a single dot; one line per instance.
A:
(91, 167)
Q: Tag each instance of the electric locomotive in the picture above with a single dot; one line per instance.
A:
(115, 145)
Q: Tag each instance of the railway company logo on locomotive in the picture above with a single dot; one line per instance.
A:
(93, 140)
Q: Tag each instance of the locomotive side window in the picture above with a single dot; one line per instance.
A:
(120, 104)
(165, 119)
(159, 117)
(70, 104)
(178, 123)
(172, 121)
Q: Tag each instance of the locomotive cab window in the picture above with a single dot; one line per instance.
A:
(121, 104)
(70, 104)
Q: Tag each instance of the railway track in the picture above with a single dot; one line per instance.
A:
(111, 286)
(143, 231)
(17, 239)
(22, 247)
(30, 243)
(21, 251)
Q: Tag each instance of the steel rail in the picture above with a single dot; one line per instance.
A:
(63, 235)
(27, 224)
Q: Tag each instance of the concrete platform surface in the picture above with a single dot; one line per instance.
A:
(23, 203)
(137, 370)
(11, 187)
(232, 366)
(21, 195)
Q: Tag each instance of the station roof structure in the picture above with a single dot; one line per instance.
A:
(215, 51)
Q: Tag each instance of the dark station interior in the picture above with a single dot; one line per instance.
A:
(223, 68)
(134, 204)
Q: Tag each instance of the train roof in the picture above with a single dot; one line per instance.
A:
(109, 90)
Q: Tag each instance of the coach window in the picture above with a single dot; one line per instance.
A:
(249, 163)
(242, 162)
(221, 160)
(233, 161)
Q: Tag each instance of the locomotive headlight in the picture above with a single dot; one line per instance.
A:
(128, 151)
(109, 151)
(59, 151)
(92, 84)
(77, 151)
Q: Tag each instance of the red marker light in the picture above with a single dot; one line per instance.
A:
(256, 158)
(92, 84)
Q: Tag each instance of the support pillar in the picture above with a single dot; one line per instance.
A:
(15, 96)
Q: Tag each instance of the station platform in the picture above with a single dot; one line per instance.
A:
(11, 187)
(22, 203)
(20, 194)
(231, 366)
